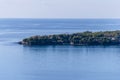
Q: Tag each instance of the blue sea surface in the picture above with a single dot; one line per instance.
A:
(18, 62)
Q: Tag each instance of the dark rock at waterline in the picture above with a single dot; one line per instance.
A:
(83, 38)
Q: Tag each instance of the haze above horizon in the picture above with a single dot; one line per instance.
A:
(59, 9)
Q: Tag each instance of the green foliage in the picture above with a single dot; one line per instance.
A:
(85, 38)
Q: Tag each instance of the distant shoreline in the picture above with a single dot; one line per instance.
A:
(79, 39)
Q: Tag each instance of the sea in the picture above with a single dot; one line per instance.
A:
(18, 62)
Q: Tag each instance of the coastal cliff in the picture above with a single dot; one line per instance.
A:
(83, 38)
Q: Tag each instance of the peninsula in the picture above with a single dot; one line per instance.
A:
(82, 38)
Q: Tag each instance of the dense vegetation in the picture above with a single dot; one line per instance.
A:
(84, 38)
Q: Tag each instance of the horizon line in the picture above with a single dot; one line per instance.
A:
(59, 18)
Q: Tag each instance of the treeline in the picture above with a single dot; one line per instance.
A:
(83, 38)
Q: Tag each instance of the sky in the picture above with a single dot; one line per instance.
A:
(59, 9)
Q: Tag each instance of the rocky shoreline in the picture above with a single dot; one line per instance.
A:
(82, 38)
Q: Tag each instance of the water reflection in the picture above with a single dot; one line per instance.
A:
(74, 56)
(80, 50)
(60, 62)
(74, 62)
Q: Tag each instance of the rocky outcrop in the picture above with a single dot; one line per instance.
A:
(83, 38)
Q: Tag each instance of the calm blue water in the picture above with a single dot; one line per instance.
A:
(19, 62)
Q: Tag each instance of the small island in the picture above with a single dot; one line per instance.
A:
(82, 38)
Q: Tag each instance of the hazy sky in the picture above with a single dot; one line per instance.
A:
(59, 8)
